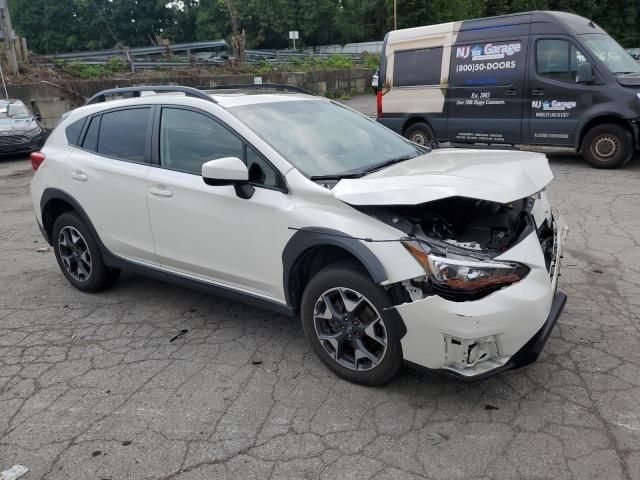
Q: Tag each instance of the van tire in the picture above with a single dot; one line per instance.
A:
(607, 146)
(420, 133)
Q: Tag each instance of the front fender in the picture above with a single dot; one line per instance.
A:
(309, 237)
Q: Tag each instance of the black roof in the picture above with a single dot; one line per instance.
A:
(573, 23)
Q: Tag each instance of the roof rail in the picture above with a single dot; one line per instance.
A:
(260, 86)
(188, 91)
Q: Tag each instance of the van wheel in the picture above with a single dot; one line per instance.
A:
(345, 318)
(607, 146)
(78, 255)
(421, 134)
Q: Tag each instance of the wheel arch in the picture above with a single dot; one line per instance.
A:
(413, 120)
(600, 120)
(53, 203)
(310, 249)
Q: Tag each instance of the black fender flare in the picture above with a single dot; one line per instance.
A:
(57, 194)
(309, 237)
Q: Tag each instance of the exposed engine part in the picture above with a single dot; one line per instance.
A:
(461, 222)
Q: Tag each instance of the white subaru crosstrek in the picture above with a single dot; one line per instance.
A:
(389, 252)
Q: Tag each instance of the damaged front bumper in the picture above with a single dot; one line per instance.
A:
(473, 340)
(526, 355)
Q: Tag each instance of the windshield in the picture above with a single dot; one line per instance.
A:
(322, 138)
(14, 110)
(617, 60)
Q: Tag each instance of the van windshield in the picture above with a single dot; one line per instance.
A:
(617, 60)
(322, 138)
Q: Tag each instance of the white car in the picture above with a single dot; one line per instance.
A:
(388, 252)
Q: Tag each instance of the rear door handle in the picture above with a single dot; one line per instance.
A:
(511, 91)
(537, 92)
(160, 192)
(79, 176)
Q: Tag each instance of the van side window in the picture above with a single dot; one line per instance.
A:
(558, 59)
(417, 67)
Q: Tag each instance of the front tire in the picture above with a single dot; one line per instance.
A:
(346, 318)
(420, 133)
(607, 146)
(78, 255)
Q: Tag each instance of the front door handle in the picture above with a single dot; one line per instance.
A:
(511, 91)
(537, 92)
(79, 176)
(160, 192)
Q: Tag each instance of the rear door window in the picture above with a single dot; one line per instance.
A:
(91, 137)
(417, 67)
(74, 130)
(123, 134)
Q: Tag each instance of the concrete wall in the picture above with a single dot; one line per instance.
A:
(53, 100)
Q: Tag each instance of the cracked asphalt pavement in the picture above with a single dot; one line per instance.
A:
(150, 380)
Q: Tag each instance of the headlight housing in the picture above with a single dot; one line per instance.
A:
(464, 274)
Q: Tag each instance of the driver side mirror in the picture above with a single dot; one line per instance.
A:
(585, 73)
(228, 171)
(37, 116)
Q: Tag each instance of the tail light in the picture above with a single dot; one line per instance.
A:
(379, 102)
(36, 160)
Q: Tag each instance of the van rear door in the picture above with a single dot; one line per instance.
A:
(487, 89)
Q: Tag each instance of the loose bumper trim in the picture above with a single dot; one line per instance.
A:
(528, 354)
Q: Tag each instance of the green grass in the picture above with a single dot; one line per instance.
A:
(88, 71)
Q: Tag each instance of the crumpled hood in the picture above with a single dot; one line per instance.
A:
(501, 176)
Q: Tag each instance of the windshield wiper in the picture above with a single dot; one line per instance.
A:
(362, 172)
(387, 163)
(337, 176)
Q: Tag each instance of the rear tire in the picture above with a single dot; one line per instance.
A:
(78, 255)
(607, 146)
(420, 133)
(346, 319)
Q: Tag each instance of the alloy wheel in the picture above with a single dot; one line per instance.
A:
(74, 253)
(350, 329)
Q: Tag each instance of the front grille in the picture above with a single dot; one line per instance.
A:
(13, 139)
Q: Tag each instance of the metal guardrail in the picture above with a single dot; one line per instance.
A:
(138, 51)
(217, 51)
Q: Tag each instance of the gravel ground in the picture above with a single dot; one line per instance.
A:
(149, 380)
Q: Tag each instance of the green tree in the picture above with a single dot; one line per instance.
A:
(60, 25)
(49, 26)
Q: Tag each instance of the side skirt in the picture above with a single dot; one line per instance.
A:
(202, 286)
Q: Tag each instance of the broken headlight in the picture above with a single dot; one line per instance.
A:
(464, 274)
